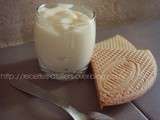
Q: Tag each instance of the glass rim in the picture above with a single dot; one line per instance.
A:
(92, 18)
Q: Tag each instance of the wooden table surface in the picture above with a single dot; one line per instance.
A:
(15, 105)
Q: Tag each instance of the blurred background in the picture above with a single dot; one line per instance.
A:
(17, 16)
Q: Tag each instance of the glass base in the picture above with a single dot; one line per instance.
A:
(66, 76)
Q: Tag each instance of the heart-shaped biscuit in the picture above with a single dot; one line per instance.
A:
(122, 75)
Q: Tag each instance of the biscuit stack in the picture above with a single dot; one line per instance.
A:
(122, 73)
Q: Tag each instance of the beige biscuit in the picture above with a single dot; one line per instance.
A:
(122, 75)
(117, 42)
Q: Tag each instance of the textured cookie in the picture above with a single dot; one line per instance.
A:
(117, 42)
(122, 75)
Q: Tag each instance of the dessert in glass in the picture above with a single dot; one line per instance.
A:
(64, 37)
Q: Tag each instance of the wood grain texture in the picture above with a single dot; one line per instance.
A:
(17, 16)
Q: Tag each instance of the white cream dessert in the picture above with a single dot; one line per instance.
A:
(64, 38)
